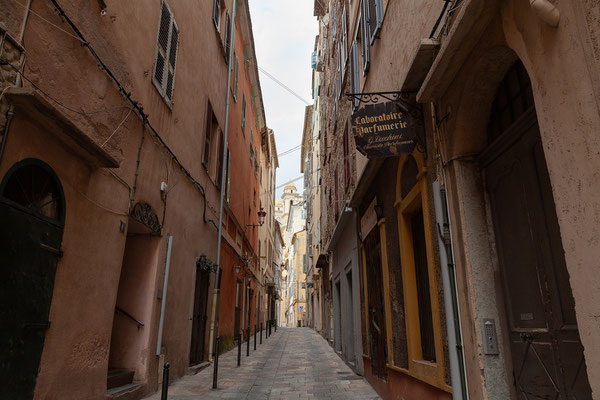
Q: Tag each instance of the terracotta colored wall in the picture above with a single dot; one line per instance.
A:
(75, 357)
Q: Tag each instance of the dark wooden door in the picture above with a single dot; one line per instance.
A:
(377, 331)
(29, 250)
(200, 317)
(547, 353)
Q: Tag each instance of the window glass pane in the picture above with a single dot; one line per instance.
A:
(423, 294)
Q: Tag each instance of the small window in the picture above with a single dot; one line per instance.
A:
(166, 54)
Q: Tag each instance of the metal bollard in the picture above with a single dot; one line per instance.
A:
(247, 341)
(254, 337)
(165, 382)
(216, 365)
(261, 333)
(275, 325)
(239, 360)
(270, 326)
(267, 329)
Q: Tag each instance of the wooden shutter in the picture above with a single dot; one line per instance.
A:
(209, 118)
(334, 24)
(228, 174)
(220, 161)
(172, 61)
(243, 111)
(227, 36)
(217, 14)
(344, 43)
(375, 18)
(346, 157)
(166, 54)
(235, 81)
(355, 73)
(163, 42)
(366, 37)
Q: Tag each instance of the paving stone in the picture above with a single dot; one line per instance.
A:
(294, 363)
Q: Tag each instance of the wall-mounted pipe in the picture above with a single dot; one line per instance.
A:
(164, 297)
(546, 11)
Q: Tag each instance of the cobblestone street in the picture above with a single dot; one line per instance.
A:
(294, 363)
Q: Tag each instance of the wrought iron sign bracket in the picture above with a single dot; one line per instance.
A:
(401, 98)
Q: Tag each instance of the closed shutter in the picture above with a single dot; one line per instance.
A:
(228, 174)
(344, 43)
(243, 112)
(227, 36)
(220, 162)
(217, 14)
(375, 18)
(366, 37)
(334, 24)
(172, 61)
(235, 80)
(166, 54)
(355, 73)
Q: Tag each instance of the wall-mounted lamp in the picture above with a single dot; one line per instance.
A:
(378, 211)
(237, 268)
(261, 217)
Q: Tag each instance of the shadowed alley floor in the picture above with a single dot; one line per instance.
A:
(294, 363)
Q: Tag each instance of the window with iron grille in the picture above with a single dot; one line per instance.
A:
(166, 54)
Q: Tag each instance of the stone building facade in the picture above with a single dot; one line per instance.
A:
(476, 248)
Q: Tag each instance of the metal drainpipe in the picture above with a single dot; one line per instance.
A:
(455, 347)
(11, 110)
(164, 296)
(215, 331)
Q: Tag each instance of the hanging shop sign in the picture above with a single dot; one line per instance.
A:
(384, 129)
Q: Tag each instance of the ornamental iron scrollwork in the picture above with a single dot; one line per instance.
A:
(142, 213)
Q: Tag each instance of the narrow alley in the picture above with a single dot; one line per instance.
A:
(293, 363)
(400, 196)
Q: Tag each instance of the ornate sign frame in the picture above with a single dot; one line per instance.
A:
(406, 103)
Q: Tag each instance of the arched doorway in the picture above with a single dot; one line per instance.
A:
(32, 211)
(546, 351)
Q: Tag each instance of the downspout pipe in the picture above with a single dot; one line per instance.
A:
(546, 11)
(217, 291)
(164, 297)
(455, 347)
